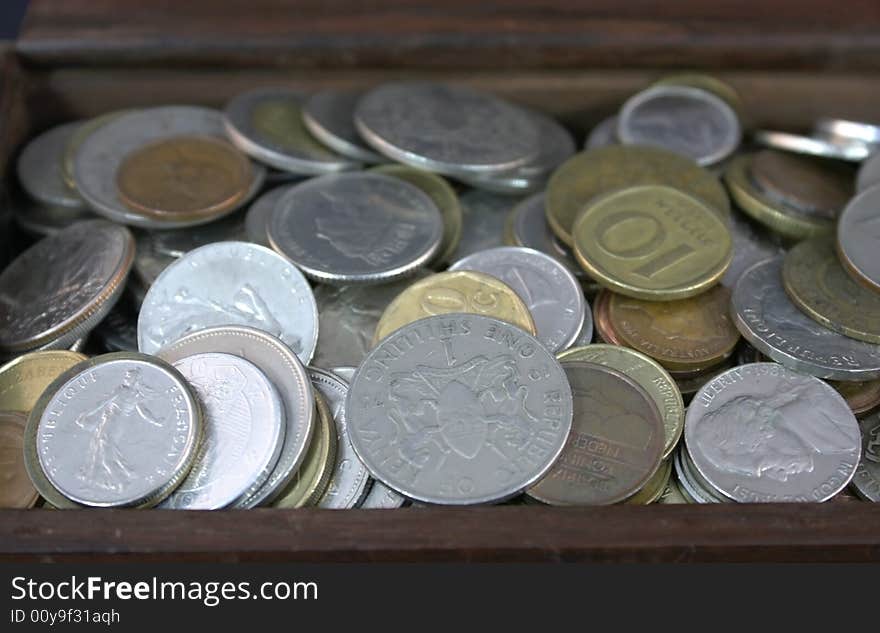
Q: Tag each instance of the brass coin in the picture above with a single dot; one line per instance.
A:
(82, 133)
(862, 397)
(16, 489)
(817, 283)
(185, 177)
(688, 335)
(672, 494)
(647, 373)
(23, 380)
(652, 242)
(708, 83)
(590, 174)
(602, 320)
(654, 489)
(461, 291)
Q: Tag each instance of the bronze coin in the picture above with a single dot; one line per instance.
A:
(602, 322)
(16, 489)
(862, 397)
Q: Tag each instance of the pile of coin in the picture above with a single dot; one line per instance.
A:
(377, 299)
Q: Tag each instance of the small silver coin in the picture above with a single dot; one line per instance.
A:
(850, 130)
(230, 283)
(866, 481)
(767, 319)
(459, 409)
(869, 173)
(381, 497)
(329, 116)
(552, 294)
(813, 145)
(257, 220)
(603, 133)
(446, 129)
(40, 171)
(348, 483)
(483, 217)
(692, 491)
(750, 246)
(685, 120)
(764, 433)
(40, 220)
(359, 227)
(119, 430)
(244, 431)
(858, 237)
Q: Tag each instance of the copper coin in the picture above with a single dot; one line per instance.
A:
(16, 489)
(862, 397)
(604, 328)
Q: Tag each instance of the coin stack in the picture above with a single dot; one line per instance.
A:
(376, 299)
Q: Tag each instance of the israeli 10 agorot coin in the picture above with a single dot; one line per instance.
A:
(763, 433)
(459, 409)
(858, 238)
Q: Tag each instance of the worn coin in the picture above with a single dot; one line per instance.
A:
(862, 397)
(16, 489)
(750, 246)
(604, 133)
(869, 173)
(866, 481)
(823, 147)
(655, 487)
(858, 237)
(484, 215)
(40, 168)
(459, 409)
(260, 212)
(23, 380)
(381, 497)
(329, 116)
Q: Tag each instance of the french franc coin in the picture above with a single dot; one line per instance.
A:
(23, 380)
(823, 147)
(40, 168)
(869, 173)
(329, 116)
(858, 237)
(764, 433)
(230, 283)
(359, 227)
(767, 319)
(17, 490)
(285, 371)
(459, 409)
(866, 481)
(484, 215)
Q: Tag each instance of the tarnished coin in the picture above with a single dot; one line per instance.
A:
(686, 120)
(615, 444)
(267, 124)
(866, 481)
(16, 489)
(750, 246)
(767, 319)
(852, 130)
(455, 292)
(230, 283)
(484, 215)
(329, 116)
(862, 397)
(244, 430)
(655, 487)
(446, 129)
(459, 409)
(381, 497)
(762, 432)
(858, 238)
(60, 288)
(602, 319)
(23, 380)
(260, 212)
(551, 293)
(40, 168)
(604, 133)
(855, 151)
(869, 173)
(652, 242)
(119, 430)
(361, 227)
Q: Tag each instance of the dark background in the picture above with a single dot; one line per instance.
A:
(11, 13)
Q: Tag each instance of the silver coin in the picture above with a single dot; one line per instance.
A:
(459, 409)
(61, 287)
(869, 173)
(348, 483)
(850, 130)
(360, 227)
(101, 153)
(698, 481)
(585, 336)
(529, 228)
(282, 367)
(257, 220)
(692, 491)
(812, 145)
(267, 125)
(329, 116)
(346, 372)
(763, 433)
(119, 430)
(552, 294)
(604, 133)
(381, 497)
(685, 120)
(866, 481)
(179, 242)
(40, 168)
(40, 220)
(230, 283)
(858, 236)
(148, 265)
(244, 431)
(483, 217)
(767, 319)
(750, 246)
(446, 129)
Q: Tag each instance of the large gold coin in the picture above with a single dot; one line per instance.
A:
(652, 242)
(16, 489)
(23, 380)
(461, 291)
(587, 175)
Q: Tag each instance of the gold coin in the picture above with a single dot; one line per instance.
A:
(711, 84)
(655, 487)
(689, 335)
(862, 397)
(23, 380)
(817, 283)
(280, 121)
(647, 373)
(443, 195)
(460, 291)
(587, 175)
(16, 489)
(672, 494)
(652, 242)
(76, 139)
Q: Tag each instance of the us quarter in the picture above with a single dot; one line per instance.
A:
(329, 116)
(40, 168)
(866, 481)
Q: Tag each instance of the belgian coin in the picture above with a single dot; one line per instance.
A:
(40, 168)
(459, 409)
(615, 444)
(750, 246)
(852, 130)
(862, 397)
(360, 227)
(329, 116)
(655, 487)
(39, 220)
(767, 319)
(858, 235)
(230, 283)
(381, 497)
(484, 215)
(244, 430)
(17, 490)
(869, 173)
(23, 380)
(762, 432)
(604, 133)
(866, 481)
(855, 151)
(259, 214)
(62, 286)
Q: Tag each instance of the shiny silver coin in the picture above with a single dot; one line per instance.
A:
(180, 242)
(119, 430)
(552, 294)
(814, 146)
(100, 154)
(230, 283)
(40, 168)
(40, 220)
(446, 129)
(767, 319)
(693, 493)
(244, 430)
(257, 220)
(703, 487)
(483, 218)
(59, 289)
(604, 133)
(685, 120)
(360, 227)
(750, 246)
(459, 409)
(329, 116)
(346, 372)
(267, 125)
(585, 336)
(381, 497)
(764, 433)
(348, 483)
(849, 130)
(858, 237)
(869, 173)
(282, 367)
(528, 227)
(866, 481)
